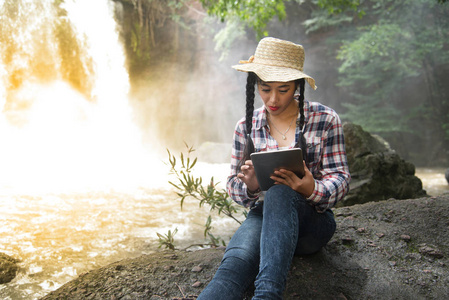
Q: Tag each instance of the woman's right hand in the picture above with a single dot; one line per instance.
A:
(248, 176)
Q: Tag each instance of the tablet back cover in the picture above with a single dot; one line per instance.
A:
(265, 163)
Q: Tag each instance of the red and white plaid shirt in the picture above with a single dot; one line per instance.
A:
(326, 155)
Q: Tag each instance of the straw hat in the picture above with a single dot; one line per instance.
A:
(277, 60)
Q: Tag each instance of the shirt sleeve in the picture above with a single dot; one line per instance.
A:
(332, 178)
(236, 188)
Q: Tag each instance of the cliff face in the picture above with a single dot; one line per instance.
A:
(395, 249)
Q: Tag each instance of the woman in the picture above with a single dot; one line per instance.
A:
(294, 216)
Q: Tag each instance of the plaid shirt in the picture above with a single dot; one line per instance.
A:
(326, 154)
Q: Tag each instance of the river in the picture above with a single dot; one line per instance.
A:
(433, 180)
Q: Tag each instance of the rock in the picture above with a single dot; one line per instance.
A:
(405, 237)
(447, 175)
(197, 269)
(377, 172)
(373, 264)
(8, 268)
(430, 251)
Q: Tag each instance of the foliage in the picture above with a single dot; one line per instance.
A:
(189, 186)
(168, 239)
(321, 19)
(339, 6)
(257, 14)
(224, 39)
(386, 52)
(254, 13)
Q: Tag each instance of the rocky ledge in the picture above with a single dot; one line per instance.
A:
(393, 249)
(8, 268)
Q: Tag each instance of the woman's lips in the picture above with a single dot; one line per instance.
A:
(273, 108)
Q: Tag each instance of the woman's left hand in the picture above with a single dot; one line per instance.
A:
(305, 186)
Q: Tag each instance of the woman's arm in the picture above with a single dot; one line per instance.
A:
(332, 176)
(236, 187)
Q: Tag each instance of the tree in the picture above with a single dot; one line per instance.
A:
(255, 14)
(398, 46)
(408, 40)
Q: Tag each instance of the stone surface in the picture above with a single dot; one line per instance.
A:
(397, 249)
(8, 268)
(377, 172)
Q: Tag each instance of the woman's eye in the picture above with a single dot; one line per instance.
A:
(284, 91)
(265, 91)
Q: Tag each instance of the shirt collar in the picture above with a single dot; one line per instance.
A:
(261, 120)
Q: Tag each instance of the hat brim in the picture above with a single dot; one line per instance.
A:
(272, 73)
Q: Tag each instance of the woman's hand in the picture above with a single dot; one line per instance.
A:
(248, 176)
(305, 186)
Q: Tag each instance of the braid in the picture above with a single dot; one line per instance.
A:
(301, 103)
(302, 141)
(250, 95)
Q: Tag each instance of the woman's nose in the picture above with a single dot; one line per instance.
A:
(273, 97)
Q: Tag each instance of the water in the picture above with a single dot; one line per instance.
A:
(433, 180)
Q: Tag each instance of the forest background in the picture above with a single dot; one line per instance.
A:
(381, 64)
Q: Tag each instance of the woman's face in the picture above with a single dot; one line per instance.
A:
(277, 96)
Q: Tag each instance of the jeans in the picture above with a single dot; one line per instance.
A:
(262, 249)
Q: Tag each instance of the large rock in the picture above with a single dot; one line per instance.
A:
(8, 268)
(394, 249)
(378, 173)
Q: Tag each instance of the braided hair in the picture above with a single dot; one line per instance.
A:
(250, 95)
(301, 143)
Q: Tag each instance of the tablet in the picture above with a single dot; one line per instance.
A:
(265, 163)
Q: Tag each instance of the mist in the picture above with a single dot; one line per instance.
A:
(193, 95)
(188, 92)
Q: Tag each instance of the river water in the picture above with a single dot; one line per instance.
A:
(433, 180)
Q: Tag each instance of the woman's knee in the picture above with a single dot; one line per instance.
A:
(285, 195)
(279, 189)
(242, 253)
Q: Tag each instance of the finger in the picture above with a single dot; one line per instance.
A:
(305, 166)
(286, 173)
(248, 162)
(244, 168)
(279, 179)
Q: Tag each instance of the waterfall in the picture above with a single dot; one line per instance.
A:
(65, 121)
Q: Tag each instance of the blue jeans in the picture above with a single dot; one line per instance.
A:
(262, 249)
